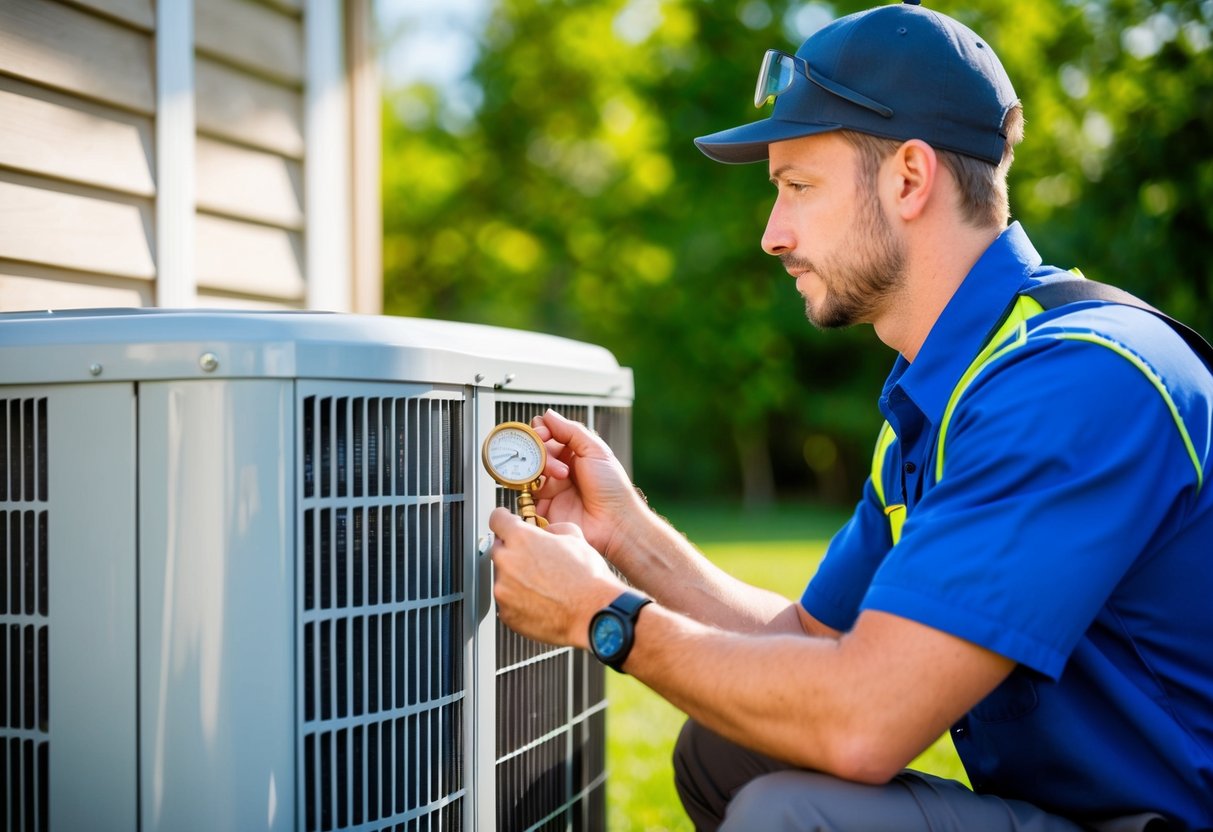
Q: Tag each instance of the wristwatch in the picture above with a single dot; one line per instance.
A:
(612, 629)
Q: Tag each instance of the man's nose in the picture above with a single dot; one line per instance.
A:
(778, 238)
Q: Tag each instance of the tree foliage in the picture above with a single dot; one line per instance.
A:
(573, 202)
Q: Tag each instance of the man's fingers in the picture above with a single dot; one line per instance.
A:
(571, 529)
(556, 452)
(541, 428)
(504, 523)
(576, 436)
(556, 466)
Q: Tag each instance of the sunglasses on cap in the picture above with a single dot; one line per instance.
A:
(779, 70)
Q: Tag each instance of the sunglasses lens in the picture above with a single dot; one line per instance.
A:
(774, 77)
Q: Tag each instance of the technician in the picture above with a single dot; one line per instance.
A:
(1030, 566)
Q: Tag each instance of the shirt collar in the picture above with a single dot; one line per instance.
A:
(961, 329)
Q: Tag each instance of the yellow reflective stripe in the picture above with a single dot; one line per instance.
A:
(1155, 379)
(897, 518)
(897, 512)
(1014, 328)
(1011, 335)
(1020, 337)
(883, 442)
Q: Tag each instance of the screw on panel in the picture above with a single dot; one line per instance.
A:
(509, 377)
(94, 369)
(209, 362)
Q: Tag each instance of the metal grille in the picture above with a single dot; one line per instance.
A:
(382, 647)
(551, 717)
(24, 696)
(614, 425)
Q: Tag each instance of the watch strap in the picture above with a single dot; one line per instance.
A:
(629, 603)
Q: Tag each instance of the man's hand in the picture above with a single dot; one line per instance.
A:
(548, 583)
(585, 484)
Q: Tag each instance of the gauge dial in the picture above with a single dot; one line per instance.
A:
(514, 454)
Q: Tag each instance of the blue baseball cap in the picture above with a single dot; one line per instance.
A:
(899, 72)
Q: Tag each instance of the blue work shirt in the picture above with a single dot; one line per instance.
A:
(1068, 533)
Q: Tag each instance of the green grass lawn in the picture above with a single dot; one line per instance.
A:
(778, 550)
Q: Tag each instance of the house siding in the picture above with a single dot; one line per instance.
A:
(78, 159)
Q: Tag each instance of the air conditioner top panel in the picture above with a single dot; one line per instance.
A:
(148, 344)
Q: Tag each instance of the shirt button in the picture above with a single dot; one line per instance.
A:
(910, 467)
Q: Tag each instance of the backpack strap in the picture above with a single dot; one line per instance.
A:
(1011, 332)
(1060, 292)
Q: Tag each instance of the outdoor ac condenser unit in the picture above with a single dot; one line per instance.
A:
(239, 580)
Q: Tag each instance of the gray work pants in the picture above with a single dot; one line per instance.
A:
(727, 787)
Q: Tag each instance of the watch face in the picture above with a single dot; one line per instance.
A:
(607, 636)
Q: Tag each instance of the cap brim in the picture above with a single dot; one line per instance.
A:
(748, 143)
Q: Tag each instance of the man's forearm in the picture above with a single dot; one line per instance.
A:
(860, 707)
(781, 695)
(660, 561)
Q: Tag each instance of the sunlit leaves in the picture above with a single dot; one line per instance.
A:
(558, 189)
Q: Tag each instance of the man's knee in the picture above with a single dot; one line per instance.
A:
(693, 751)
(781, 800)
(701, 756)
(693, 779)
(684, 748)
(809, 801)
(709, 769)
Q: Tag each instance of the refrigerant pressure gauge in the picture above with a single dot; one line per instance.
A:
(514, 455)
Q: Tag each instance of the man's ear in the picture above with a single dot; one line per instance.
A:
(914, 171)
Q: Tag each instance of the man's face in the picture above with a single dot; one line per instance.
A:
(828, 229)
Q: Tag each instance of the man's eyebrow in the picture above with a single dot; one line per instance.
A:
(778, 172)
(782, 170)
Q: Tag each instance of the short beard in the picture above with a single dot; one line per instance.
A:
(860, 280)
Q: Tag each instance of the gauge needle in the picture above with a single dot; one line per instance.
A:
(498, 459)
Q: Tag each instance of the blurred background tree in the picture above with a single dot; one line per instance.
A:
(557, 189)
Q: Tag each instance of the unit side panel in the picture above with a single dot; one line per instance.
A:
(216, 584)
(383, 619)
(67, 607)
(483, 737)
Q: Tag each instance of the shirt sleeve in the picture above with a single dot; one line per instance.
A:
(1064, 466)
(835, 592)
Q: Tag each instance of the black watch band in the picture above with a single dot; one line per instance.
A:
(613, 629)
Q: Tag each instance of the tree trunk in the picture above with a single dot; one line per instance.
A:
(757, 477)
